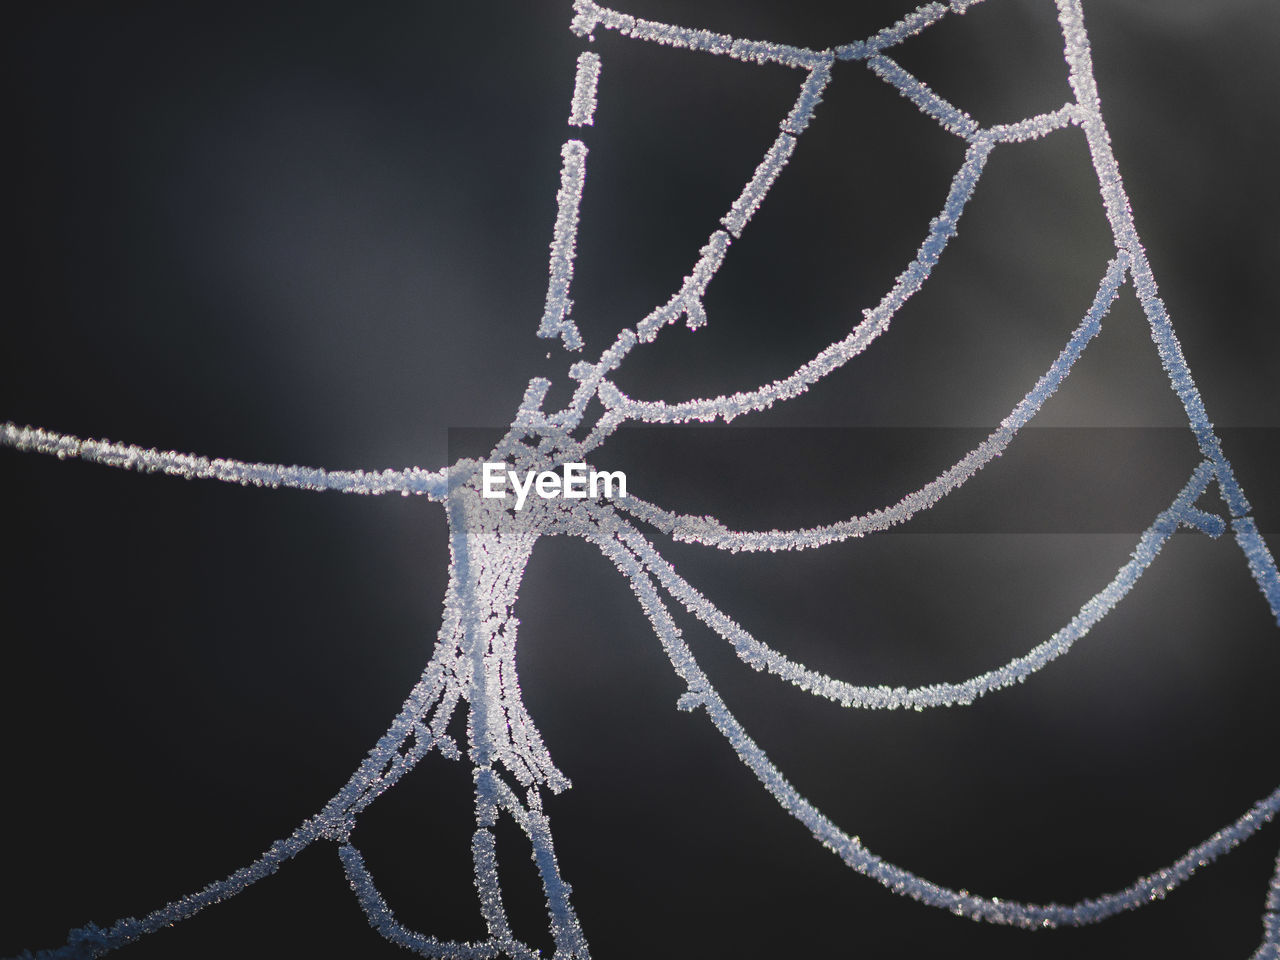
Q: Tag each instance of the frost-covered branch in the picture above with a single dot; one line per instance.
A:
(588, 15)
(874, 323)
(412, 481)
(687, 301)
(383, 919)
(1120, 217)
(910, 25)
(853, 852)
(709, 531)
(1269, 949)
(761, 656)
(948, 116)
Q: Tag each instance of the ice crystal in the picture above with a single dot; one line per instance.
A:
(473, 666)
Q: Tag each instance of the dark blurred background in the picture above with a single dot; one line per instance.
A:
(317, 233)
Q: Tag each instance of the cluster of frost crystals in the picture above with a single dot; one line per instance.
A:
(687, 301)
(582, 110)
(810, 96)
(555, 316)
(1269, 949)
(707, 530)
(748, 203)
(588, 15)
(412, 481)
(760, 656)
(473, 666)
(951, 118)
(611, 536)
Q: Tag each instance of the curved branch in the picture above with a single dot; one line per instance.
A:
(92, 941)
(711, 532)
(851, 850)
(383, 919)
(763, 657)
(874, 323)
(687, 300)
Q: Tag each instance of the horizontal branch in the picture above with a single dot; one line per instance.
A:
(127, 456)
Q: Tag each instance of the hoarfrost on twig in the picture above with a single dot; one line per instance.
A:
(474, 659)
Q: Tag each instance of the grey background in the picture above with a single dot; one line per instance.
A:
(316, 233)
